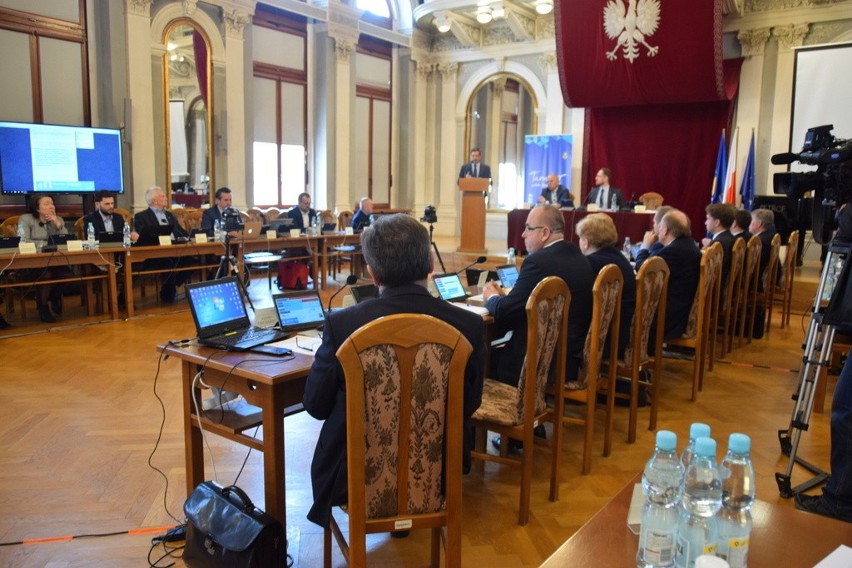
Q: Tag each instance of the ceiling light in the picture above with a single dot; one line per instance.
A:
(483, 14)
(442, 22)
(498, 11)
(544, 7)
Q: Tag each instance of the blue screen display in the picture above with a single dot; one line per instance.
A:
(217, 303)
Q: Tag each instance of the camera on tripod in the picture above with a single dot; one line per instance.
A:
(231, 220)
(831, 182)
(430, 215)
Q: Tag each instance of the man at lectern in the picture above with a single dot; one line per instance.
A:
(475, 168)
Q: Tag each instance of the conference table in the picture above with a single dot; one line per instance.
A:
(15, 261)
(272, 384)
(780, 536)
(627, 223)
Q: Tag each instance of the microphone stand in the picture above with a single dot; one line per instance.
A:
(350, 280)
(228, 264)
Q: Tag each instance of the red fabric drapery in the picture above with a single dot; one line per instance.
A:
(199, 48)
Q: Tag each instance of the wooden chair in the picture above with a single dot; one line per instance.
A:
(192, 219)
(652, 284)
(783, 291)
(273, 213)
(606, 313)
(79, 229)
(344, 219)
(747, 304)
(9, 226)
(403, 372)
(698, 330)
(514, 412)
(733, 289)
(180, 215)
(651, 200)
(256, 214)
(128, 218)
(770, 277)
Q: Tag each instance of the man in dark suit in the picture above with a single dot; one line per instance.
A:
(718, 220)
(684, 261)
(555, 193)
(223, 201)
(604, 195)
(550, 255)
(104, 218)
(361, 219)
(742, 220)
(475, 168)
(302, 215)
(398, 254)
(146, 223)
(763, 227)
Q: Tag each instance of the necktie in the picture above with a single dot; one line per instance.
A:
(476, 170)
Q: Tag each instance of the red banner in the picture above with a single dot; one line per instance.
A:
(629, 52)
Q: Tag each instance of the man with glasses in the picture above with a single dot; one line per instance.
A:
(549, 255)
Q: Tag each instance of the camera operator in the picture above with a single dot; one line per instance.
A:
(216, 213)
(844, 223)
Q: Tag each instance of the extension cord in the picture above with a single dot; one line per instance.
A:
(175, 534)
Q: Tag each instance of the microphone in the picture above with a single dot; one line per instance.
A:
(479, 260)
(784, 158)
(350, 280)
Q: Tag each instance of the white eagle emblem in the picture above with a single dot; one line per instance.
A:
(630, 27)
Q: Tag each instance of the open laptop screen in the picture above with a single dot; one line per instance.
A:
(507, 275)
(449, 287)
(299, 310)
(217, 306)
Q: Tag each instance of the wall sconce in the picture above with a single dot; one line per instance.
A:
(483, 14)
(442, 22)
(544, 7)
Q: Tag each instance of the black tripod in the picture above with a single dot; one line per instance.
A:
(435, 247)
(818, 343)
(228, 266)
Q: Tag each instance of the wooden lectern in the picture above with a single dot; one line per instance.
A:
(473, 192)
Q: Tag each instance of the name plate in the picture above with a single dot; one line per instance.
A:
(639, 209)
(592, 207)
(165, 240)
(199, 238)
(74, 245)
(271, 234)
(348, 231)
(27, 248)
(295, 233)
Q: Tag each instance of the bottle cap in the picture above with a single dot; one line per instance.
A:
(710, 561)
(666, 441)
(739, 443)
(705, 447)
(699, 430)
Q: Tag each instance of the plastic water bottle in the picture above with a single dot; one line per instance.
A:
(511, 256)
(662, 483)
(125, 234)
(627, 249)
(90, 235)
(217, 230)
(696, 430)
(737, 498)
(530, 201)
(22, 233)
(697, 532)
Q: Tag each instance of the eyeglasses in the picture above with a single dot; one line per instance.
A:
(528, 229)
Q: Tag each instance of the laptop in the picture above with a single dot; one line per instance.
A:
(508, 275)
(282, 225)
(9, 245)
(220, 316)
(299, 310)
(110, 237)
(150, 236)
(329, 228)
(364, 292)
(252, 229)
(449, 287)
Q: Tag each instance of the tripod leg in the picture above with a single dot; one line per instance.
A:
(438, 254)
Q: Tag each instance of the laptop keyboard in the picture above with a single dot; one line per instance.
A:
(254, 334)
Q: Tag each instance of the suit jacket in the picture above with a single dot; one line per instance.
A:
(562, 259)
(726, 239)
(684, 261)
(146, 219)
(98, 222)
(359, 221)
(209, 217)
(611, 255)
(484, 170)
(765, 248)
(614, 195)
(325, 390)
(563, 196)
(296, 215)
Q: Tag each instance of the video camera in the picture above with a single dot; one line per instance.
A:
(831, 182)
(430, 215)
(231, 220)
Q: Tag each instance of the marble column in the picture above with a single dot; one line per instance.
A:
(234, 120)
(449, 199)
(139, 90)
(753, 42)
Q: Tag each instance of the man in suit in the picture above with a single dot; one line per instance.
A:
(303, 216)
(475, 168)
(550, 255)
(361, 219)
(742, 220)
(763, 227)
(555, 193)
(604, 195)
(718, 220)
(146, 223)
(223, 200)
(104, 218)
(398, 254)
(684, 261)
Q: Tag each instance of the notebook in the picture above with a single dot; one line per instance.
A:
(508, 275)
(252, 229)
(220, 316)
(299, 310)
(449, 287)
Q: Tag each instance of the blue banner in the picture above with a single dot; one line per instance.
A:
(545, 155)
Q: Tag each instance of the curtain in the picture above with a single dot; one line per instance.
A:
(199, 47)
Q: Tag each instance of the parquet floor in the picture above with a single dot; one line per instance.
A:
(90, 411)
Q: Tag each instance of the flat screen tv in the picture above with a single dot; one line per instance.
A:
(48, 158)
